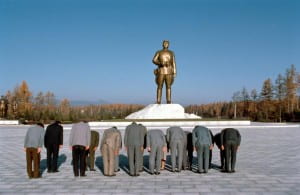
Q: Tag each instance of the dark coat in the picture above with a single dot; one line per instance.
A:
(53, 135)
(230, 134)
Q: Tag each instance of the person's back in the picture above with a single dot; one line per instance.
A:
(155, 138)
(203, 143)
(80, 134)
(230, 141)
(33, 145)
(134, 144)
(230, 134)
(54, 134)
(175, 133)
(109, 148)
(201, 135)
(176, 139)
(156, 144)
(80, 138)
(53, 140)
(34, 137)
(134, 135)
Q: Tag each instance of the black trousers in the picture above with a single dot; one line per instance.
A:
(230, 155)
(78, 153)
(52, 156)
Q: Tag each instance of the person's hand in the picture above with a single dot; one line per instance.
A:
(87, 147)
(164, 149)
(71, 147)
(116, 152)
(39, 150)
(194, 148)
(222, 147)
(142, 148)
(60, 146)
(95, 148)
(24, 149)
(211, 147)
(149, 149)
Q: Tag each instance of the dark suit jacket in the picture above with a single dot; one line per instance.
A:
(230, 134)
(53, 135)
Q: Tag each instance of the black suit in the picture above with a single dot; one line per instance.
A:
(217, 140)
(53, 138)
(230, 139)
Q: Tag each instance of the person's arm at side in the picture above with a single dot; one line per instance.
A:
(210, 140)
(221, 140)
(61, 137)
(239, 139)
(194, 136)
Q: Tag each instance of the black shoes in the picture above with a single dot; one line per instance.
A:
(157, 173)
(92, 169)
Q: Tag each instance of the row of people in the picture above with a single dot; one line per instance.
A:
(84, 142)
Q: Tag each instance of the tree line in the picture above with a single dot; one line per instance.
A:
(277, 101)
(23, 106)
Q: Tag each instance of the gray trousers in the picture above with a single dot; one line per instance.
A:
(176, 148)
(230, 155)
(141, 161)
(203, 156)
(155, 158)
(134, 157)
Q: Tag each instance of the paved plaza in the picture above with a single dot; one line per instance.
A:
(268, 162)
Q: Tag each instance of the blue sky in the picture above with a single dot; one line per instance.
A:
(103, 49)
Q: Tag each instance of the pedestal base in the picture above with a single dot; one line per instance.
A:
(162, 111)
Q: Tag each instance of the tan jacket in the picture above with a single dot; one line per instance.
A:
(111, 138)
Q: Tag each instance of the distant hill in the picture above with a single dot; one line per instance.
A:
(86, 102)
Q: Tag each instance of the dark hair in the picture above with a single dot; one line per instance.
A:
(40, 124)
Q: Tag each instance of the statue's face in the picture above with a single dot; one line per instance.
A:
(166, 44)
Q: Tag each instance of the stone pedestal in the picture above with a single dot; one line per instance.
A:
(162, 111)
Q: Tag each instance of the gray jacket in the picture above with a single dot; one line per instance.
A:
(156, 138)
(34, 137)
(175, 133)
(80, 134)
(201, 135)
(134, 135)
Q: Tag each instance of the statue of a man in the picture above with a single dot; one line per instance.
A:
(166, 71)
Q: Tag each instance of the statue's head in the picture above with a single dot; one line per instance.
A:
(165, 44)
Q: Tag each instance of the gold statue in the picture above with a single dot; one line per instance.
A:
(166, 71)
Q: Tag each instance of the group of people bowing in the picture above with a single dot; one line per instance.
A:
(84, 142)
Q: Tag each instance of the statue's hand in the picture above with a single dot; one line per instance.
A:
(174, 75)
